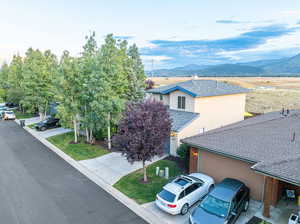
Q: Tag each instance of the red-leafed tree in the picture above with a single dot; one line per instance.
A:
(143, 131)
(149, 84)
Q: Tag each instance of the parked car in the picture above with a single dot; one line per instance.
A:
(8, 115)
(3, 108)
(223, 205)
(11, 105)
(50, 122)
(180, 194)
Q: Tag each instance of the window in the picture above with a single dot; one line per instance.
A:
(167, 195)
(161, 97)
(190, 189)
(181, 102)
(181, 195)
(215, 206)
(240, 195)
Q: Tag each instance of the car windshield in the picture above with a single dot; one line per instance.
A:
(167, 195)
(215, 206)
(46, 121)
(9, 112)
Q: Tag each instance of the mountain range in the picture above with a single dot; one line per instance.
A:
(276, 67)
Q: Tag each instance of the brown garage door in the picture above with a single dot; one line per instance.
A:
(220, 167)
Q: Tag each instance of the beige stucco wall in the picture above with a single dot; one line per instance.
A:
(218, 111)
(166, 98)
(189, 101)
(214, 112)
(220, 167)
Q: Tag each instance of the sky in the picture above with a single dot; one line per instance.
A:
(169, 33)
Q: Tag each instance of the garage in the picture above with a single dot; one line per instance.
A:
(220, 167)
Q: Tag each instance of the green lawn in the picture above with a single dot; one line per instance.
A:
(31, 125)
(20, 115)
(80, 151)
(131, 186)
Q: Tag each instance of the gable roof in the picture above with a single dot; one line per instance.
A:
(201, 88)
(181, 119)
(266, 141)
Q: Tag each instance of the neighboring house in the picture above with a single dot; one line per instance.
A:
(263, 152)
(197, 106)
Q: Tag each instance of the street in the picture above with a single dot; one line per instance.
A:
(38, 187)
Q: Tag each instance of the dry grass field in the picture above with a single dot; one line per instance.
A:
(268, 94)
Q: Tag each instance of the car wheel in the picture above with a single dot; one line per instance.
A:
(211, 187)
(246, 206)
(184, 209)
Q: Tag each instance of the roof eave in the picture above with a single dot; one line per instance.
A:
(275, 176)
(221, 153)
(175, 88)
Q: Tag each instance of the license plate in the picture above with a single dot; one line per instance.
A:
(164, 204)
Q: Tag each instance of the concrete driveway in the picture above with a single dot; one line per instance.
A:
(51, 132)
(38, 187)
(113, 166)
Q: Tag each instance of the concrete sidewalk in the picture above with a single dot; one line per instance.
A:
(113, 166)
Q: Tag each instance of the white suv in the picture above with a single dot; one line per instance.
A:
(9, 115)
(180, 194)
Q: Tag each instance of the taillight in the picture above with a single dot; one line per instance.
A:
(172, 206)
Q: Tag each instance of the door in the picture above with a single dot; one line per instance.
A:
(200, 190)
(191, 194)
(167, 146)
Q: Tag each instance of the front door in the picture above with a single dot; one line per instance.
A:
(167, 146)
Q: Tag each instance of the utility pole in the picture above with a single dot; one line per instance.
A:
(152, 66)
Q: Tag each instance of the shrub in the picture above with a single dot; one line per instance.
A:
(183, 152)
(149, 84)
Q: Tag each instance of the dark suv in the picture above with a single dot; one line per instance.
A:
(50, 122)
(223, 205)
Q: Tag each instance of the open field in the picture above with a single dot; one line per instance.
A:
(268, 94)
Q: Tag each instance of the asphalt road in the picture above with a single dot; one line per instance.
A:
(38, 187)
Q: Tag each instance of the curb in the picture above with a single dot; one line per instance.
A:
(129, 203)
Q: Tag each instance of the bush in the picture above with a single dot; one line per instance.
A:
(183, 152)
(149, 84)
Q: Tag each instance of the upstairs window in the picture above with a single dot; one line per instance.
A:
(181, 102)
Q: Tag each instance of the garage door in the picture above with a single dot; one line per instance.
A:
(220, 167)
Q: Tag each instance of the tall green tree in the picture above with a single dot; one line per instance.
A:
(136, 75)
(3, 81)
(40, 70)
(15, 92)
(70, 89)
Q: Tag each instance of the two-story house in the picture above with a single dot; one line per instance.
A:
(197, 106)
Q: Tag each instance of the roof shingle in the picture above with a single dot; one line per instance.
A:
(266, 140)
(181, 118)
(201, 88)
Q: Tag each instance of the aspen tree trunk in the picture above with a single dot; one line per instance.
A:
(91, 137)
(45, 112)
(75, 131)
(145, 172)
(87, 134)
(108, 132)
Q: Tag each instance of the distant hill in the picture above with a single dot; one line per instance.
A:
(277, 67)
